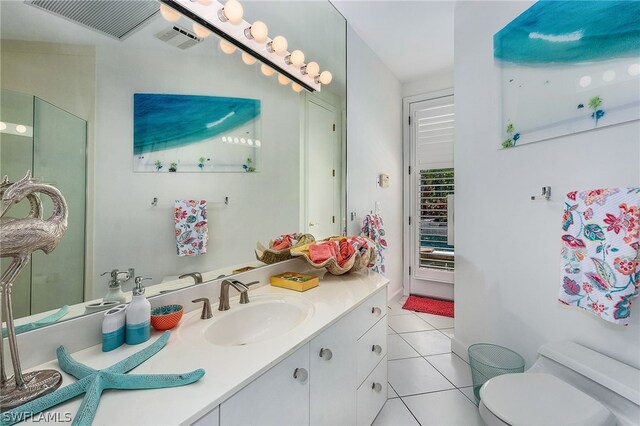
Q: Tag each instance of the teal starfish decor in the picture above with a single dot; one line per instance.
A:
(92, 382)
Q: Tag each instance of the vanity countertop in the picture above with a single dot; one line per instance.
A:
(228, 368)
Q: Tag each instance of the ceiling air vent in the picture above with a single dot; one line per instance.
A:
(178, 37)
(117, 19)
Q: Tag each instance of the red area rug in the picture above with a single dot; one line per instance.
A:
(429, 306)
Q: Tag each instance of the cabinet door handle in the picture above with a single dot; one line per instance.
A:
(376, 387)
(326, 354)
(301, 375)
(376, 311)
(377, 349)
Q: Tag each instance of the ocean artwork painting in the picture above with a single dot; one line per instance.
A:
(568, 67)
(188, 133)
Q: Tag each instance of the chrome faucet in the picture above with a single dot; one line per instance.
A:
(224, 292)
(197, 277)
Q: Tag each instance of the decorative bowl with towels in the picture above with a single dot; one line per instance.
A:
(280, 249)
(338, 255)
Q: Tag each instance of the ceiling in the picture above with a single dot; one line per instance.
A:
(413, 38)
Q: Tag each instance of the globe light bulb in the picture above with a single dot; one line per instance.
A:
(226, 47)
(257, 31)
(20, 128)
(266, 70)
(232, 11)
(205, 2)
(283, 80)
(248, 59)
(168, 13)
(296, 87)
(312, 69)
(296, 58)
(325, 77)
(200, 31)
(3, 125)
(279, 45)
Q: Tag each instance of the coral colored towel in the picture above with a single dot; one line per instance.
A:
(191, 227)
(601, 251)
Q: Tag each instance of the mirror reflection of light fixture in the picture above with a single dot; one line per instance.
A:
(325, 77)
(296, 87)
(168, 13)
(201, 31)
(266, 70)
(283, 80)
(226, 21)
(248, 59)
(226, 47)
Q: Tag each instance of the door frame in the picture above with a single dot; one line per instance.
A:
(408, 200)
(304, 162)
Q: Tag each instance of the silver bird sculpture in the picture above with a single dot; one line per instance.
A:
(34, 201)
(19, 238)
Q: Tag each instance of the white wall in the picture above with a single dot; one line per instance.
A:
(432, 83)
(129, 232)
(507, 247)
(374, 146)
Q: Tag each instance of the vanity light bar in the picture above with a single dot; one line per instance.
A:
(207, 16)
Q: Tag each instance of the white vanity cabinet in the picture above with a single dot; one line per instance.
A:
(278, 397)
(333, 375)
(338, 378)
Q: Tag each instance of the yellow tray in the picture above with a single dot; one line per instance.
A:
(295, 281)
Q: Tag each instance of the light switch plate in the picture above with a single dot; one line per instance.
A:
(383, 181)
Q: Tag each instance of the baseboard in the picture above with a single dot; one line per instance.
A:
(459, 348)
(396, 295)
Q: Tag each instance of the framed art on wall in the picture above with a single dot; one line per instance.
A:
(568, 67)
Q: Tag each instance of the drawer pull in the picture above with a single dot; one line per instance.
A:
(376, 311)
(301, 375)
(376, 387)
(377, 349)
(326, 354)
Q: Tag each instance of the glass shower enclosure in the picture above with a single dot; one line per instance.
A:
(38, 136)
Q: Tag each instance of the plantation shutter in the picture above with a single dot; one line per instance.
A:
(436, 187)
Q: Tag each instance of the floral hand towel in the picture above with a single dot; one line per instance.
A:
(372, 228)
(601, 251)
(191, 227)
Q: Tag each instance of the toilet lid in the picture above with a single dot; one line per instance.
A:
(541, 399)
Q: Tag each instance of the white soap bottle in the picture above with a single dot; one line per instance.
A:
(138, 327)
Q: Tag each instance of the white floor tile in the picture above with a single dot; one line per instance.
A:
(407, 323)
(428, 342)
(448, 331)
(396, 309)
(390, 392)
(444, 408)
(437, 321)
(390, 330)
(415, 375)
(395, 413)
(468, 392)
(453, 368)
(398, 348)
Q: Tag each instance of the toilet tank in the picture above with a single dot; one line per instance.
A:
(615, 384)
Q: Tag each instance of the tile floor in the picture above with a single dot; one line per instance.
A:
(428, 384)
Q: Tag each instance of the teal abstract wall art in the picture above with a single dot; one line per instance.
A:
(187, 133)
(567, 67)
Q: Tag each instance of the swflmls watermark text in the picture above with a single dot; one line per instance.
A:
(55, 417)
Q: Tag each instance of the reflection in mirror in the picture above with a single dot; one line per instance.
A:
(73, 88)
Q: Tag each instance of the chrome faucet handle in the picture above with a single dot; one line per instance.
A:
(244, 295)
(206, 308)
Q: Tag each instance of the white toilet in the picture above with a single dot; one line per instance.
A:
(567, 385)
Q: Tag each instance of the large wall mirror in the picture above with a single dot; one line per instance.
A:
(71, 88)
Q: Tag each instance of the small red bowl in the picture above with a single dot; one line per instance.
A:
(166, 317)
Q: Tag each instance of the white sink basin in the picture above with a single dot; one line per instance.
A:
(262, 319)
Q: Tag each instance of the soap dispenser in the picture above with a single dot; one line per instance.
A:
(138, 327)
